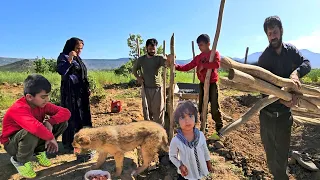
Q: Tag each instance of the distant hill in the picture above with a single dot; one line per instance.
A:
(104, 64)
(5, 60)
(313, 57)
(18, 64)
(253, 58)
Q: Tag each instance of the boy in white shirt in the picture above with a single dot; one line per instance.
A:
(188, 149)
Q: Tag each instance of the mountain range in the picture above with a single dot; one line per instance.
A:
(312, 56)
(107, 64)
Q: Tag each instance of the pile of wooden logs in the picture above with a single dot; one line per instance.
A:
(252, 78)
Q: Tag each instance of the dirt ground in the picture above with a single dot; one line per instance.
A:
(242, 157)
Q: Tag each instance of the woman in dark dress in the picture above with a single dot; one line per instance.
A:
(74, 89)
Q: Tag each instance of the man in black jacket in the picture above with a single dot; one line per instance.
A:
(276, 120)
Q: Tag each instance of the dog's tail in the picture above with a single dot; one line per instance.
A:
(165, 144)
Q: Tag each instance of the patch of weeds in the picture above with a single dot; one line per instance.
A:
(231, 92)
(128, 94)
(255, 94)
(61, 162)
(214, 162)
(210, 176)
(96, 98)
(6, 100)
(236, 170)
(55, 96)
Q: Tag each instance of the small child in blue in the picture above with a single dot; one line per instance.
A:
(188, 149)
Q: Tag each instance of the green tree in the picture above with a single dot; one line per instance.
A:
(44, 65)
(41, 65)
(126, 69)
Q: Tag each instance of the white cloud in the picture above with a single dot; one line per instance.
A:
(310, 42)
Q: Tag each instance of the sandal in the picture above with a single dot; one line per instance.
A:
(305, 160)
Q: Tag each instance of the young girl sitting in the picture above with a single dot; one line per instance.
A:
(188, 149)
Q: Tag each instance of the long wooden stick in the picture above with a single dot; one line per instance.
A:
(268, 88)
(261, 73)
(228, 63)
(193, 55)
(237, 86)
(171, 93)
(164, 78)
(313, 99)
(306, 89)
(246, 56)
(248, 115)
(259, 84)
(143, 93)
(257, 107)
(302, 119)
(208, 75)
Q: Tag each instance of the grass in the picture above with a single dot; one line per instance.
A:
(127, 94)
(101, 77)
(108, 77)
(6, 100)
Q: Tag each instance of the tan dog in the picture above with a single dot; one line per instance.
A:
(116, 140)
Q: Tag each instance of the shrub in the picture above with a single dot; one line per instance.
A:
(44, 65)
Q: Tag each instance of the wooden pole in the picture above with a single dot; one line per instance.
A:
(313, 99)
(313, 121)
(208, 75)
(258, 84)
(261, 73)
(193, 55)
(246, 56)
(237, 86)
(171, 95)
(144, 102)
(268, 88)
(143, 93)
(164, 78)
(248, 115)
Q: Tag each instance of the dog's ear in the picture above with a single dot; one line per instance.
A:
(84, 140)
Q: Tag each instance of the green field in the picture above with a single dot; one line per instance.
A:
(102, 77)
(108, 77)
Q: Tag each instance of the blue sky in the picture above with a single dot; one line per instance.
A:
(40, 28)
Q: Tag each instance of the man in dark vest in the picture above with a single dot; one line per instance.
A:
(276, 120)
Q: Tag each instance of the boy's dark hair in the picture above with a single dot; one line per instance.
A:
(271, 22)
(203, 38)
(185, 107)
(152, 42)
(35, 83)
(71, 44)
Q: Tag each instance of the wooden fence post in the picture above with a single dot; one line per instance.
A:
(246, 56)
(194, 70)
(171, 95)
(208, 75)
(164, 77)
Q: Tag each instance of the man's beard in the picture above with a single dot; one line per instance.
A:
(276, 43)
(151, 53)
